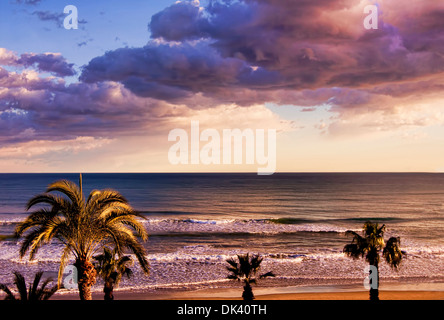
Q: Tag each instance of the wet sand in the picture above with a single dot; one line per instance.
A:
(231, 294)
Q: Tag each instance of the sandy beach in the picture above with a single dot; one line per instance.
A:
(359, 295)
(263, 294)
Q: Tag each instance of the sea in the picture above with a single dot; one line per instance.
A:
(296, 221)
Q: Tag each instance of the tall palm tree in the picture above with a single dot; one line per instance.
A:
(112, 269)
(245, 270)
(84, 226)
(369, 245)
(34, 293)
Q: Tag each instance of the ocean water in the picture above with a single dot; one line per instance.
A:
(296, 221)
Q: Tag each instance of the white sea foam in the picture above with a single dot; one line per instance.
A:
(253, 226)
(191, 265)
(195, 266)
(10, 219)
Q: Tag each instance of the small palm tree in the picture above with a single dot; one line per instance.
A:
(34, 293)
(369, 246)
(84, 226)
(245, 270)
(112, 270)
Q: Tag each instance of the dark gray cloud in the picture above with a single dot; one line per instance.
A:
(53, 63)
(48, 62)
(52, 110)
(168, 71)
(244, 52)
(192, 24)
(268, 45)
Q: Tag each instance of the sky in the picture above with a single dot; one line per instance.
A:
(105, 96)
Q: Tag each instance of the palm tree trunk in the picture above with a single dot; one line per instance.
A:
(248, 295)
(108, 290)
(86, 278)
(85, 291)
(374, 287)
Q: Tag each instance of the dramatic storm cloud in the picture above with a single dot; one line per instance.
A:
(170, 71)
(233, 48)
(230, 62)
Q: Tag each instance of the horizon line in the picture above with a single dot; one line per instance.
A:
(222, 172)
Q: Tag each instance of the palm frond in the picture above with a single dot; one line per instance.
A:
(92, 194)
(124, 263)
(353, 250)
(360, 241)
(128, 272)
(255, 262)
(98, 201)
(34, 219)
(63, 263)
(33, 290)
(233, 277)
(392, 252)
(381, 230)
(9, 294)
(29, 241)
(232, 262)
(245, 264)
(20, 283)
(54, 201)
(41, 293)
(127, 218)
(234, 269)
(107, 196)
(140, 254)
(46, 294)
(70, 189)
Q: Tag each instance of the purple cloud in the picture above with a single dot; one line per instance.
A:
(54, 63)
(48, 62)
(185, 14)
(168, 71)
(245, 52)
(55, 112)
(270, 45)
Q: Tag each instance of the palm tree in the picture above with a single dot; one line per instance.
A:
(112, 270)
(245, 269)
(35, 293)
(84, 226)
(369, 246)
